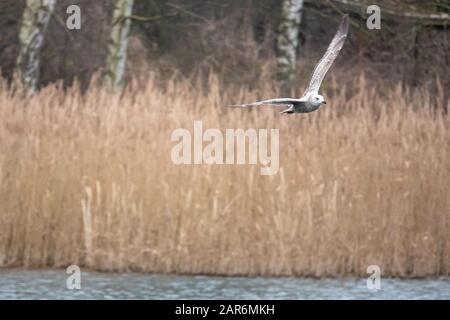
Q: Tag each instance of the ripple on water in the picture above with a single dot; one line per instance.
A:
(51, 284)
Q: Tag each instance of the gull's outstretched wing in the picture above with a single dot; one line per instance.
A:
(328, 58)
(277, 102)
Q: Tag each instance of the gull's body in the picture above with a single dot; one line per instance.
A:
(311, 99)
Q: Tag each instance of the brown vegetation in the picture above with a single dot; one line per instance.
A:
(88, 180)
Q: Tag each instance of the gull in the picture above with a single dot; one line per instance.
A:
(311, 99)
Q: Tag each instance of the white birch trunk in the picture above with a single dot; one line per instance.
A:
(287, 42)
(35, 19)
(117, 55)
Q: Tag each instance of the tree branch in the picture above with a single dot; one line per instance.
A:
(443, 17)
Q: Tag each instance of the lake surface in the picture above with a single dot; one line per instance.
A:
(51, 284)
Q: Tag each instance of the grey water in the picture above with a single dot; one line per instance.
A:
(52, 284)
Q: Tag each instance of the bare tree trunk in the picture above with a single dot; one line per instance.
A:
(36, 17)
(287, 43)
(117, 56)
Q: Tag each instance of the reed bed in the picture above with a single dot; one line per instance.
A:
(88, 180)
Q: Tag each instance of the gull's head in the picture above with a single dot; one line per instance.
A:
(317, 100)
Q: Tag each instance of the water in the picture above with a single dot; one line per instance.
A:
(51, 284)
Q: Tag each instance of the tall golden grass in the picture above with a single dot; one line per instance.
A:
(88, 180)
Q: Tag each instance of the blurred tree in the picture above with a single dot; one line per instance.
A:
(287, 43)
(238, 40)
(35, 19)
(117, 55)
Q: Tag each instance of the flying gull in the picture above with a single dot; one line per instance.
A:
(311, 99)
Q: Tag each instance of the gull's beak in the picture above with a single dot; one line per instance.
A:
(324, 102)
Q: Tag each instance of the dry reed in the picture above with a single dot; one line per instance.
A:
(88, 180)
